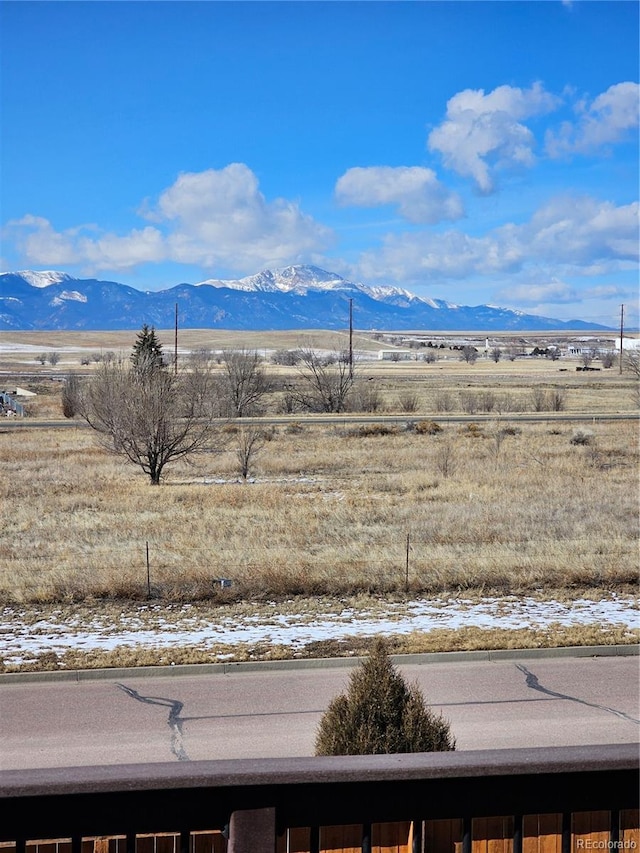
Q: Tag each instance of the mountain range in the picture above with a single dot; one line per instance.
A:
(295, 297)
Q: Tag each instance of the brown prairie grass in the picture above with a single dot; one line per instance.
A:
(329, 512)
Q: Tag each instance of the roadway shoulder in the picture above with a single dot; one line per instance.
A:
(230, 668)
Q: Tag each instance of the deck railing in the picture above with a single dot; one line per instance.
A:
(541, 800)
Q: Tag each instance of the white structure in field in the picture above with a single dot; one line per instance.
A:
(629, 343)
(395, 355)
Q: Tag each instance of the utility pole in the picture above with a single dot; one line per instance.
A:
(175, 345)
(621, 334)
(350, 338)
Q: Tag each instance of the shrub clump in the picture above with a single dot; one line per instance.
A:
(428, 428)
(582, 437)
(472, 430)
(367, 430)
(381, 714)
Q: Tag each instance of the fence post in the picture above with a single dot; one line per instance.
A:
(252, 831)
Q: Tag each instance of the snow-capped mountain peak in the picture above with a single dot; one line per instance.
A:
(295, 297)
(293, 279)
(43, 278)
(304, 278)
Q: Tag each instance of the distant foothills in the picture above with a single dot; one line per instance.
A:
(296, 297)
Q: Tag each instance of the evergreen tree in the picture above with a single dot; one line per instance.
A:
(381, 714)
(147, 351)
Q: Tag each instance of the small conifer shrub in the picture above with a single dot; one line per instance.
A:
(380, 713)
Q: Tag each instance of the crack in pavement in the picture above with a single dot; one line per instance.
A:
(174, 721)
(534, 684)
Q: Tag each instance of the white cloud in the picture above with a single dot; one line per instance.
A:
(543, 296)
(110, 251)
(606, 120)
(583, 232)
(40, 243)
(555, 292)
(484, 132)
(219, 217)
(216, 217)
(580, 236)
(418, 194)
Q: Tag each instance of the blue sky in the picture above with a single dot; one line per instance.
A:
(479, 152)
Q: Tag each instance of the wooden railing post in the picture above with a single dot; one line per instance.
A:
(252, 831)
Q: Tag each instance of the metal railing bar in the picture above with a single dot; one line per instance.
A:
(366, 838)
(566, 832)
(314, 840)
(517, 833)
(103, 801)
(614, 829)
(416, 844)
(466, 835)
(334, 769)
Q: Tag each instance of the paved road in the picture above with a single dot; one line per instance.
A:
(274, 713)
(8, 424)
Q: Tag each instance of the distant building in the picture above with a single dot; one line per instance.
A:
(396, 355)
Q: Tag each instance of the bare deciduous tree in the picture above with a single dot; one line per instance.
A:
(443, 401)
(244, 382)
(200, 357)
(71, 396)
(325, 382)
(445, 459)
(365, 396)
(586, 357)
(608, 358)
(287, 357)
(150, 418)
(631, 362)
(250, 441)
(496, 354)
(409, 401)
(469, 354)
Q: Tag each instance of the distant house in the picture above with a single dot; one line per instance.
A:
(396, 355)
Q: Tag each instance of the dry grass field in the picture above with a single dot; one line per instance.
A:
(448, 385)
(495, 505)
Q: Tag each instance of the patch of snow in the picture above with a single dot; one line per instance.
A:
(69, 295)
(9, 346)
(159, 627)
(43, 278)
(73, 296)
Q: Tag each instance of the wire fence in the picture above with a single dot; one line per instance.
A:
(9, 406)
